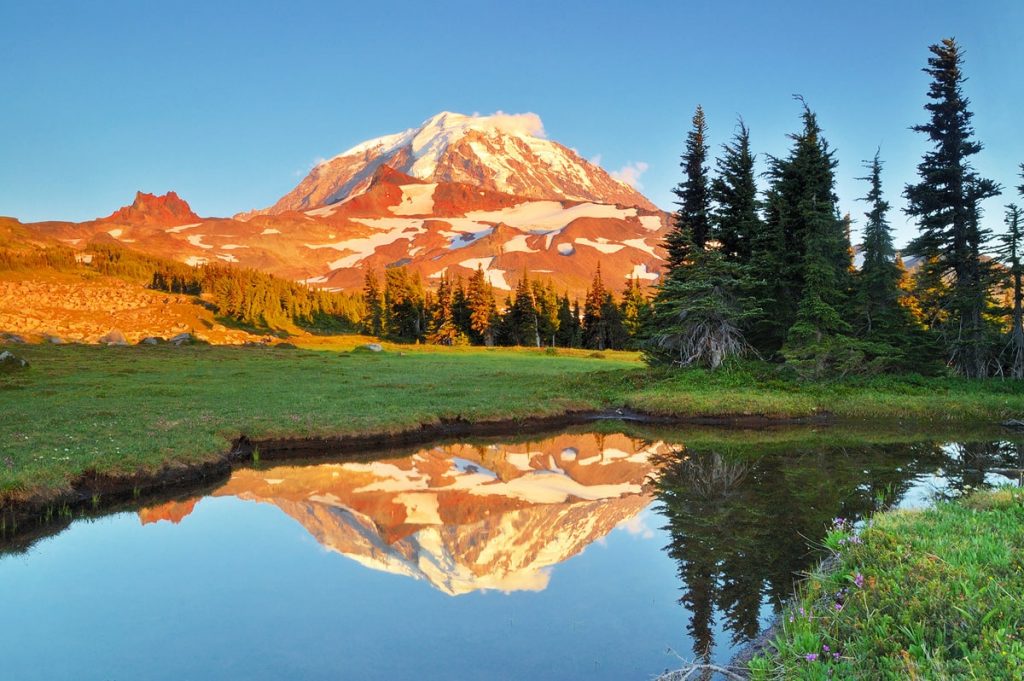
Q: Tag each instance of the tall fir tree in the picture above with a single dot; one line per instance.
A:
(444, 329)
(547, 312)
(735, 218)
(406, 305)
(946, 203)
(616, 334)
(635, 308)
(1011, 255)
(568, 334)
(523, 317)
(594, 324)
(698, 312)
(374, 300)
(460, 308)
(819, 314)
(804, 235)
(483, 311)
(693, 218)
(878, 291)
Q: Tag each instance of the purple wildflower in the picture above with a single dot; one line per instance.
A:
(858, 580)
(811, 657)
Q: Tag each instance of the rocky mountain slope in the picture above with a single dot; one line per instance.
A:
(456, 194)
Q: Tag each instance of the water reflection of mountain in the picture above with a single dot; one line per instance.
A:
(740, 522)
(463, 517)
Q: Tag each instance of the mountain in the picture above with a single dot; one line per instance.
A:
(462, 517)
(149, 209)
(500, 153)
(456, 194)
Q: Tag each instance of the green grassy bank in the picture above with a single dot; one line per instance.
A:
(937, 594)
(123, 409)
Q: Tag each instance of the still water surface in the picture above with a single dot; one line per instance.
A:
(573, 556)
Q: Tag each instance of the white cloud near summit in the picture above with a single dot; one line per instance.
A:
(524, 123)
(630, 173)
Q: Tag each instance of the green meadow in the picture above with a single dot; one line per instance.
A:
(114, 410)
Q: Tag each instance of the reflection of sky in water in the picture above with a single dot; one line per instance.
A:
(927, 489)
(262, 581)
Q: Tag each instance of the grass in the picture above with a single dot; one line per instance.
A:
(762, 390)
(121, 409)
(115, 410)
(935, 594)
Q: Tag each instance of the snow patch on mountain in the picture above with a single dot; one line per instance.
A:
(651, 222)
(417, 199)
(197, 240)
(640, 272)
(182, 228)
(601, 244)
(542, 217)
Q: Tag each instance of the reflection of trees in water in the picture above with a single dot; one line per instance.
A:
(971, 463)
(740, 524)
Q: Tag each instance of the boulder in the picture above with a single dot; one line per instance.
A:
(55, 340)
(152, 340)
(1015, 424)
(373, 347)
(13, 338)
(113, 337)
(182, 339)
(10, 362)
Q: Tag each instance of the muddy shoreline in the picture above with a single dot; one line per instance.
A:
(93, 494)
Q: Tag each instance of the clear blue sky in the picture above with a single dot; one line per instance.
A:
(230, 103)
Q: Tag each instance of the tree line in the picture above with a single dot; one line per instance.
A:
(260, 300)
(771, 273)
(467, 312)
(245, 296)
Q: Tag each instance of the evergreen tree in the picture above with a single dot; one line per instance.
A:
(405, 302)
(503, 331)
(734, 191)
(801, 212)
(547, 311)
(374, 301)
(635, 310)
(460, 307)
(946, 203)
(1011, 256)
(692, 220)
(819, 313)
(443, 327)
(568, 334)
(483, 313)
(523, 317)
(616, 335)
(698, 319)
(595, 331)
(698, 310)
(878, 290)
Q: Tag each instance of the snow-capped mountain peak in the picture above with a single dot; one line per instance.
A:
(502, 152)
(432, 137)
